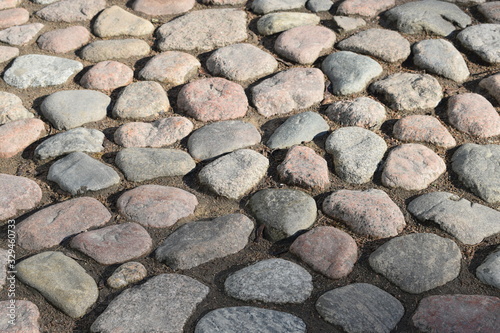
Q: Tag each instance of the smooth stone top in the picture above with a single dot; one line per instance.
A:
(277, 22)
(18, 193)
(489, 270)
(363, 112)
(111, 49)
(141, 99)
(162, 7)
(267, 6)
(71, 10)
(115, 21)
(171, 67)
(421, 128)
(484, 40)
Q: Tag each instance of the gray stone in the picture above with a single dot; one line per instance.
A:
(469, 222)
(20, 34)
(246, 319)
(440, 57)
(115, 21)
(363, 112)
(490, 11)
(18, 193)
(277, 22)
(61, 280)
(72, 108)
(349, 72)
(383, 44)
(241, 62)
(272, 280)
(408, 91)
(319, 5)
(102, 50)
(417, 262)
(235, 174)
(163, 7)
(492, 85)
(71, 10)
(222, 137)
(356, 152)
(12, 108)
(127, 273)
(140, 100)
(267, 6)
(139, 164)
(437, 17)
(360, 307)
(483, 40)
(284, 212)
(77, 139)
(199, 242)
(36, 70)
(302, 127)
(489, 271)
(4, 266)
(478, 167)
(79, 173)
(366, 8)
(162, 304)
(220, 27)
(171, 67)
(346, 24)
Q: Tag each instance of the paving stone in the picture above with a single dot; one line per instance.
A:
(7, 53)
(139, 164)
(12, 108)
(61, 280)
(168, 298)
(363, 112)
(469, 222)
(107, 76)
(77, 139)
(360, 307)
(483, 40)
(417, 262)
(5, 4)
(71, 10)
(368, 213)
(292, 89)
(20, 34)
(303, 167)
(421, 128)
(51, 225)
(126, 274)
(4, 266)
(367, 8)
(489, 271)
(67, 109)
(170, 67)
(213, 99)
(408, 91)
(140, 100)
(272, 280)
(477, 168)
(349, 72)
(115, 49)
(199, 242)
(224, 2)
(357, 153)
(18, 193)
(302, 127)
(491, 11)
(241, 62)
(346, 24)
(222, 137)
(492, 85)
(155, 205)
(114, 244)
(37, 70)
(78, 173)
(436, 17)
(164, 7)
(284, 212)
(157, 134)
(440, 57)
(64, 40)
(328, 250)
(12, 17)
(17, 135)
(220, 27)
(267, 6)
(115, 21)
(473, 114)
(304, 44)
(25, 316)
(234, 175)
(270, 24)
(319, 5)
(458, 313)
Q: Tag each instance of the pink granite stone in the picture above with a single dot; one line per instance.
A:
(420, 128)
(492, 85)
(71, 10)
(15, 136)
(163, 7)
(12, 17)
(367, 8)
(107, 76)
(303, 167)
(18, 193)
(7, 53)
(64, 40)
(491, 11)
(26, 317)
(5, 4)
(171, 67)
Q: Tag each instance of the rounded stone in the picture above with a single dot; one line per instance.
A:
(115, 21)
(27, 317)
(483, 40)
(107, 76)
(20, 35)
(17, 135)
(71, 10)
(7, 53)
(162, 7)
(18, 193)
(367, 8)
(64, 40)
(489, 270)
(114, 49)
(272, 23)
(171, 67)
(140, 100)
(363, 112)
(12, 17)
(492, 85)
(267, 6)
(420, 128)
(12, 108)
(126, 274)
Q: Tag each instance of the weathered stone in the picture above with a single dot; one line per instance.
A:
(224, 2)
(26, 317)
(483, 40)
(489, 271)
(115, 49)
(491, 11)
(492, 85)
(12, 108)
(71, 10)
(319, 5)
(115, 21)
(5, 4)
(12, 17)
(18, 193)
(20, 34)
(363, 112)
(77, 139)
(140, 100)
(5, 265)
(7, 53)
(346, 24)
(420, 128)
(15, 136)
(107, 76)
(129, 272)
(163, 7)
(303, 167)
(277, 22)
(367, 8)
(64, 40)
(267, 6)
(170, 67)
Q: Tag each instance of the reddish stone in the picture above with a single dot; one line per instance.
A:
(26, 320)
(491, 11)
(492, 85)
(162, 7)
(171, 67)
(156, 206)
(107, 76)
(367, 8)
(15, 136)
(114, 244)
(369, 213)
(20, 34)
(328, 250)
(303, 167)
(51, 225)
(213, 99)
(458, 313)
(64, 40)
(412, 166)
(12, 17)
(71, 10)
(17, 193)
(7, 53)
(4, 4)
(473, 114)
(421, 128)
(160, 133)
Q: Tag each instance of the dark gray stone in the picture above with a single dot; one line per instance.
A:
(484, 40)
(77, 139)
